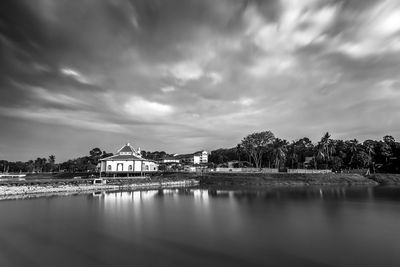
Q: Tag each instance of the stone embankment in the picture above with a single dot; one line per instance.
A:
(15, 191)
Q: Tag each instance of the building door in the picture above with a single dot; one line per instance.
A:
(120, 167)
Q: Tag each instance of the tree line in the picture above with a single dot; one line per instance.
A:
(263, 149)
(260, 149)
(86, 163)
(40, 165)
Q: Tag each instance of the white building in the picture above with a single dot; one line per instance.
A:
(127, 160)
(169, 159)
(199, 157)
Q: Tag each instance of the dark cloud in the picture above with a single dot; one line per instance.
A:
(184, 75)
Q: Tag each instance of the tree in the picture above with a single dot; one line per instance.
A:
(95, 155)
(386, 151)
(293, 154)
(3, 165)
(353, 146)
(52, 162)
(39, 164)
(369, 148)
(238, 151)
(388, 139)
(325, 148)
(95, 152)
(256, 144)
(301, 149)
(106, 155)
(279, 148)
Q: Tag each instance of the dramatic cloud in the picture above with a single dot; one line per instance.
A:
(184, 75)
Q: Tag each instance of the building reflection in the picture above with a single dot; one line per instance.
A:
(112, 200)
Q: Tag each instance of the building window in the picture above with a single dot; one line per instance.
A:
(130, 167)
(147, 168)
(109, 167)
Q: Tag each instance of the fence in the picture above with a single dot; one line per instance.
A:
(241, 170)
(308, 171)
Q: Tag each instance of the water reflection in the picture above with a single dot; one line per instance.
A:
(316, 226)
(284, 194)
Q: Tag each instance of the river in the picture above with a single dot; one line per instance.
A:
(332, 226)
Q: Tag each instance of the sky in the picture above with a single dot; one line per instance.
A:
(185, 75)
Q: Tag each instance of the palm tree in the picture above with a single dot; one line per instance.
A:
(325, 144)
(279, 151)
(238, 151)
(353, 150)
(370, 150)
(318, 155)
(294, 155)
(52, 161)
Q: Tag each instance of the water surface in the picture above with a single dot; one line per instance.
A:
(356, 226)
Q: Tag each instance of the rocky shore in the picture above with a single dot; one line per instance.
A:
(23, 191)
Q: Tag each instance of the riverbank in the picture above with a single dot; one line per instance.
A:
(386, 178)
(23, 189)
(259, 180)
(26, 191)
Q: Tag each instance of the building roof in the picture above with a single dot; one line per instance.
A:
(126, 148)
(124, 157)
(197, 153)
(170, 158)
(184, 156)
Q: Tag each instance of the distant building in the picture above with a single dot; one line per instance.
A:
(169, 159)
(199, 157)
(127, 160)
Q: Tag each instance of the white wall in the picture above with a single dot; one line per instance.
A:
(136, 166)
(170, 160)
(102, 166)
(204, 157)
(114, 164)
(150, 166)
(196, 159)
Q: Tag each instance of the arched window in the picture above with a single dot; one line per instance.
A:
(109, 167)
(130, 167)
